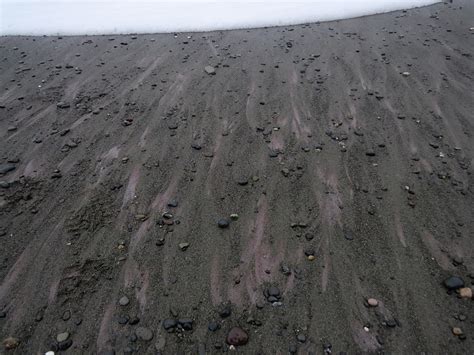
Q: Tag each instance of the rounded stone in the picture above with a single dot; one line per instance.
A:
(457, 331)
(237, 337)
(169, 324)
(223, 223)
(62, 337)
(186, 323)
(11, 343)
(465, 292)
(453, 283)
(372, 302)
(213, 326)
(143, 333)
(124, 301)
(273, 291)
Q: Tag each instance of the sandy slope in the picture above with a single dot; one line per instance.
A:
(311, 134)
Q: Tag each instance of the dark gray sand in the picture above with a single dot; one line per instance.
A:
(345, 148)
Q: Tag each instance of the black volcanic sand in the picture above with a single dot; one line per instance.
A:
(346, 149)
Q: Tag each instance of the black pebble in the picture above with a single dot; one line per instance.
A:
(223, 223)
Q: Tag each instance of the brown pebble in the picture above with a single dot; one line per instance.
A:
(237, 337)
(11, 343)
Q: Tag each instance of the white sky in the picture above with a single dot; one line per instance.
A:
(75, 17)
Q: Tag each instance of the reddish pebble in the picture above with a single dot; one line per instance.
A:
(237, 337)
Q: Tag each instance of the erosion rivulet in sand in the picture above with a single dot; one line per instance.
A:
(344, 187)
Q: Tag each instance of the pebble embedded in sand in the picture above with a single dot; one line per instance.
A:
(62, 337)
(5, 168)
(405, 73)
(372, 302)
(143, 333)
(183, 246)
(11, 343)
(62, 104)
(465, 292)
(457, 331)
(124, 301)
(169, 324)
(223, 223)
(237, 337)
(453, 283)
(209, 70)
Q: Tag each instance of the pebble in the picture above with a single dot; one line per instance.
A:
(183, 246)
(124, 301)
(223, 223)
(237, 337)
(349, 235)
(225, 311)
(457, 331)
(173, 203)
(213, 326)
(169, 324)
(62, 104)
(186, 323)
(143, 333)
(372, 302)
(5, 168)
(301, 338)
(370, 153)
(234, 216)
(209, 70)
(453, 283)
(465, 292)
(11, 343)
(62, 337)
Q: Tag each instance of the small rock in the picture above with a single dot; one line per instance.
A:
(465, 292)
(457, 331)
(62, 337)
(143, 333)
(213, 326)
(11, 343)
(223, 223)
(173, 203)
(186, 323)
(209, 70)
(372, 302)
(4, 184)
(453, 283)
(5, 168)
(237, 337)
(169, 324)
(183, 246)
(124, 301)
(62, 104)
